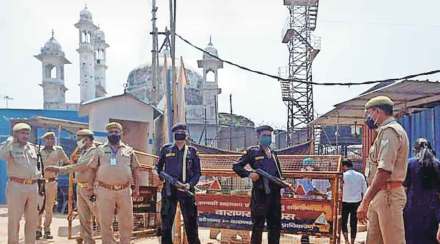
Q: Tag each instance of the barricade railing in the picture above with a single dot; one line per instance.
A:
(223, 198)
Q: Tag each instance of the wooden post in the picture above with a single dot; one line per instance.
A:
(70, 206)
(177, 227)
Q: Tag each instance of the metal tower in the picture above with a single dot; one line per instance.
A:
(302, 51)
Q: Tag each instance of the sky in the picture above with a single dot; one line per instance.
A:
(360, 40)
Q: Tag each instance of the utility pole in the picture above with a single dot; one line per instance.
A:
(206, 130)
(155, 55)
(230, 124)
(173, 39)
(230, 103)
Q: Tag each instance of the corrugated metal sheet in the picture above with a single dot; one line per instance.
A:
(423, 124)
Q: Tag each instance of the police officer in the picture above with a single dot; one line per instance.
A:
(116, 167)
(84, 183)
(50, 155)
(22, 189)
(387, 167)
(182, 162)
(264, 207)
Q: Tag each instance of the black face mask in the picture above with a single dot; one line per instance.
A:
(114, 139)
(179, 136)
(369, 121)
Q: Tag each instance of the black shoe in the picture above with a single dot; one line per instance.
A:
(38, 234)
(47, 235)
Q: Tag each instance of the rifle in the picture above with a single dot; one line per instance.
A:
(270, 178)
(171, 181)
(42, 181)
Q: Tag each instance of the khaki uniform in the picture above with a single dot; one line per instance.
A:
(385, 214)
(86, 208)
(50, 156)
(118, 176)
(22, 198)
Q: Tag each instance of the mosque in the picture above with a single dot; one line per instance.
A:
(206, 124)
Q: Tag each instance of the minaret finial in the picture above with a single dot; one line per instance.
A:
(53, 34)
(85, 6)
(210, 39)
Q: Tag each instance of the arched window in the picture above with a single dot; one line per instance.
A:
(210, 76)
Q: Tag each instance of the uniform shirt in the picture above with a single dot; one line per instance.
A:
(171, 161)
(389, 151)
(354, 186)
(121, 173)
(257, 159)
(83, 171)
(52, 156)
(22, 160)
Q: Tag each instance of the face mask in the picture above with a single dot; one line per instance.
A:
(371, 123)
(114, 139)
(80, 143)
(266, 140)
(179, 136)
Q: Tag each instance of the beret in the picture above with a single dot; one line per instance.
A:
(178, 126)
(21, 126)
(48, 134)
(263, 128)
(113, 125)
(378, 101)
(84, 132)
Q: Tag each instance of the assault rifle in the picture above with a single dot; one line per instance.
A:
(42, 181)
(171, 181)
(270, 178)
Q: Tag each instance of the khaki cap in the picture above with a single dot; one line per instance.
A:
(113, 125)
(378, 101)
(48, 134)
(21, 126)
(84, 132)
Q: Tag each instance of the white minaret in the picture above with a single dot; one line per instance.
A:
(100, 60)
(210, 89)
(53, 61)
(86, 55)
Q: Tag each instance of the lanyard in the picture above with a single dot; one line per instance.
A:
(275, 160)
(113, 157)
(185, 152)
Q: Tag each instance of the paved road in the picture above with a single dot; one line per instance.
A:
(59, 230)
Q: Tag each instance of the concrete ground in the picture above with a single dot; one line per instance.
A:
(59, 231)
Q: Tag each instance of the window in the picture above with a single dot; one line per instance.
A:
(210, 76)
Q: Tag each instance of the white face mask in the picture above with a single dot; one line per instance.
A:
(80, 143)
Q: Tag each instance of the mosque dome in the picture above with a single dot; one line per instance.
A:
(142, 77)
(85, 14)
(99, 34)
(52, 47)
(210, 49)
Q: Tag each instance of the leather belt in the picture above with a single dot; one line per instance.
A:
(22, 180)
(116, 187)
(391, 185)
(51, 180)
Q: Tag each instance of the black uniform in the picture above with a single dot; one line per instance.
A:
(264, 207)
(170, 160)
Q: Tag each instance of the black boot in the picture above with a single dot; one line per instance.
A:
(47, 235)
(38, 234)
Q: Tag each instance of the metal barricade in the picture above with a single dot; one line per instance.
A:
(312, 209)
